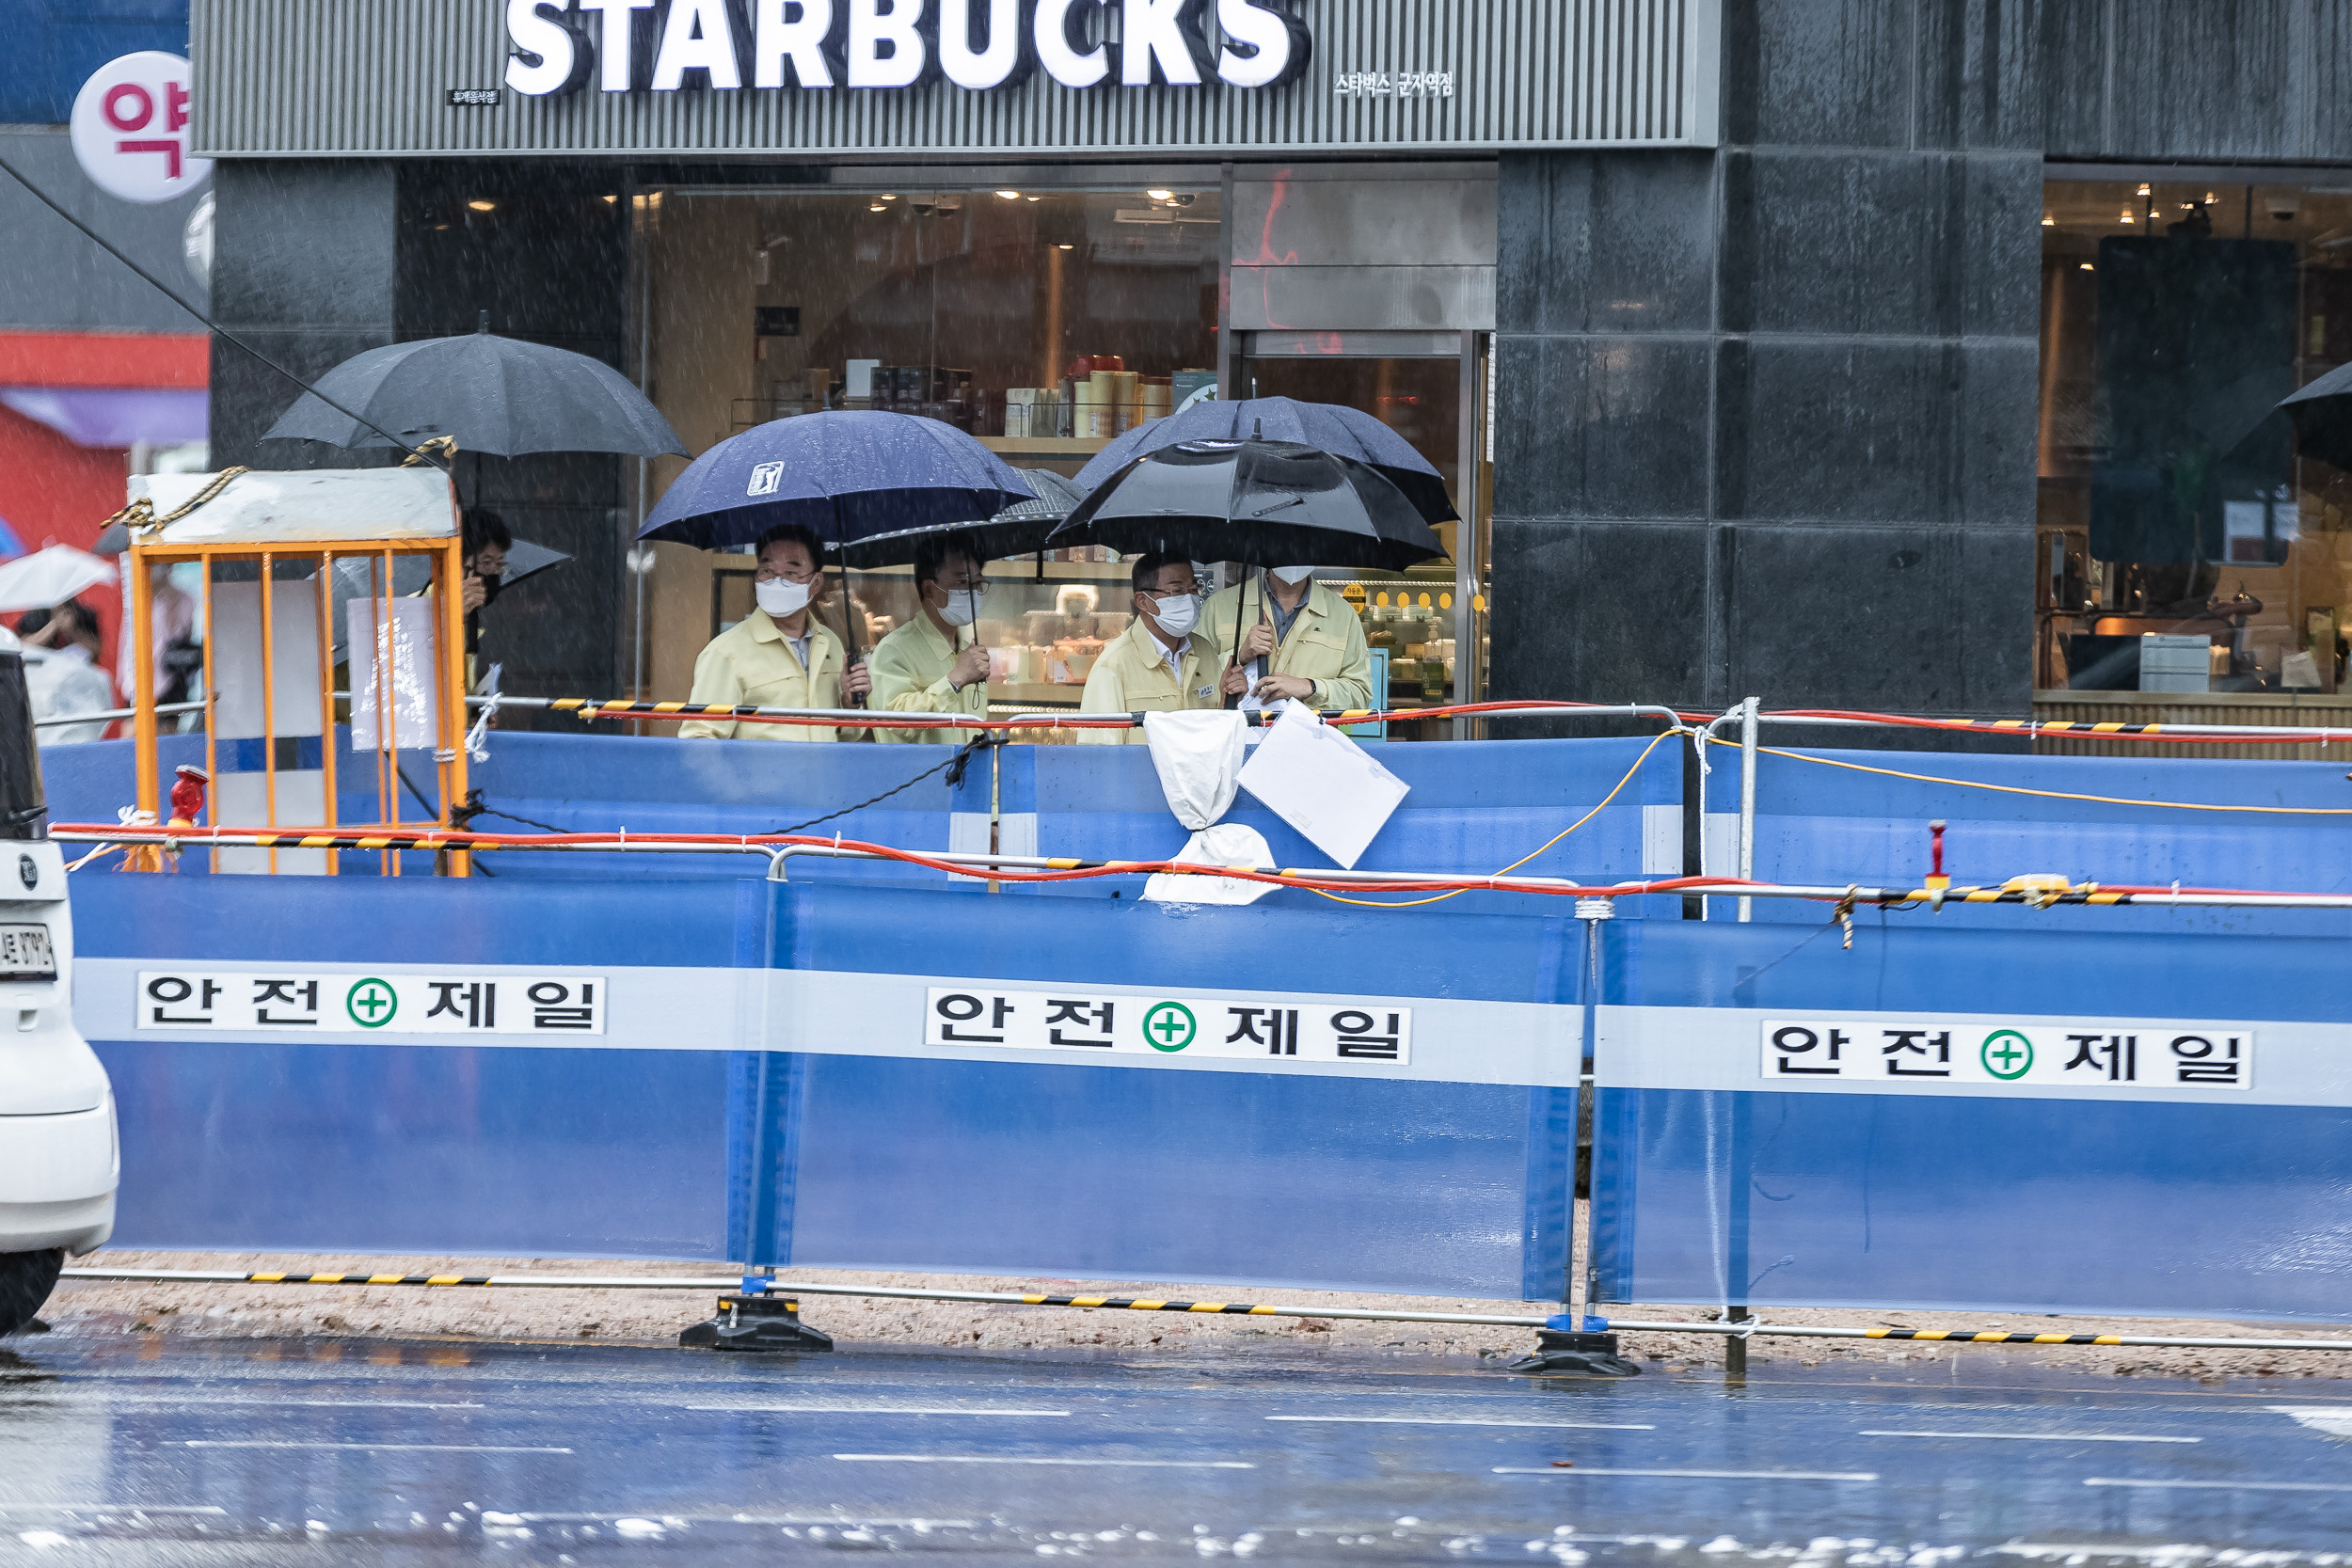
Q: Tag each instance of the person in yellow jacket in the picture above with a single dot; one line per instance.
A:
(1298, 638)
(1159, 664)
(780, 655)
(925, 666)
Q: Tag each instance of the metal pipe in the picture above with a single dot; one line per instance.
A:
(1747, 802)
(109, 715)
(1353, 1314)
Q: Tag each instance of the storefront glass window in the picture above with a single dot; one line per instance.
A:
(2183, 544)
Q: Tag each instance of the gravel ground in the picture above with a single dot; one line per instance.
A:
(647, 1317)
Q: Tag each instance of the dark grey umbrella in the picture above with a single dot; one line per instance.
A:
(356, 576)
(2322, 413)
(490, 395)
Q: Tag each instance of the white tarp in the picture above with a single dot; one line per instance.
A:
(1199, 757)
(306, 505)
(397, 656)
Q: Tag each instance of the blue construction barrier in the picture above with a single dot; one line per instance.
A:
(1816, 822)
(1727, 1171)
(850, 1141)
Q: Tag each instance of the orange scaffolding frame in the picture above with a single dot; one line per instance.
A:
(444, 555)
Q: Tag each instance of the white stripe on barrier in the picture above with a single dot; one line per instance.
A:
(843, 1013)
(1991, 1055)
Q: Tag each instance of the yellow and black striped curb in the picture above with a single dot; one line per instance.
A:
(1992, 1337)
(1136, 1304)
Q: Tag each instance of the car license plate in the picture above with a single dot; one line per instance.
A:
(26, 954)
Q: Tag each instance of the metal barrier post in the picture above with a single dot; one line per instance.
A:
(1747, 803)
(1591, 913)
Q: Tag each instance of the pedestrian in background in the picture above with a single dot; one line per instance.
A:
(780, 655)
(925, 666)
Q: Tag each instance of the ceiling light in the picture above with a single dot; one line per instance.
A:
(876, 207)
(2087, 267)
(1061, 248)
(613, 200)
(2048, 222)
(480, 204)
(1032, 199)
(885, 197)
(2210, 198)
(1159, 195)
(2142, 191)
(1010, 195)
(2128, 216)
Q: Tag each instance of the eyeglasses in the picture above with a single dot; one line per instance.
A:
(771, 574)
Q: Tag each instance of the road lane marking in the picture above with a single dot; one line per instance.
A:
(110, 1508)
(1693, 1475)
(999, 1459)
(2038, 1436)
(2218, 1486)
(868, 1410)
(2333, 1419)
(1442, 1421)
(382, 1448)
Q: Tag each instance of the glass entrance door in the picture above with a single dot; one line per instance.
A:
(1432, 389)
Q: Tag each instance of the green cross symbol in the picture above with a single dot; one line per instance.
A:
(2015, 1058)
(1169, 1027)
(372, 1004)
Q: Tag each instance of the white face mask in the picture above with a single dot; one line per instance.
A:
(1292, 577)
(962, 606)
(781, 600)
(1177, 614)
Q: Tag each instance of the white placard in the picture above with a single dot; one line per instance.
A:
(1323, 784)
(130, 127)
(1913, 1054)
(1286, 1028)
(313, 1000)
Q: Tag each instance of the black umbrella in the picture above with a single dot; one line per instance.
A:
(356, 576)
(490, 395)
(1269, 503)
(2322, 415)
(1018, 529)
(1334, 427)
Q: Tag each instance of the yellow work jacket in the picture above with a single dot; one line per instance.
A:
(1326, 643)
(911, 668)
(1132, 676)
(750, 665)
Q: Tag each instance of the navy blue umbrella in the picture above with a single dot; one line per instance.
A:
(1329, 426)
(845, 475)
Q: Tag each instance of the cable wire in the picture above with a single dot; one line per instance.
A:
(152, 282)
(1413, 903)
(2043, 793)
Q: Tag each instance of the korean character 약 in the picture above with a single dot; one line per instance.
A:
(172, 991)
(476, 1004)
(2201, 1060)
(1359, 1034)
(552, 1005)
(1792, 1040)
(2116, 1056)
(963, 1007)
(1085, 1017)
(1905, 1043)
(292, 998)
(1275, 1028)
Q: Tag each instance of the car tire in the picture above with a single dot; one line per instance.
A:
(26, 1280)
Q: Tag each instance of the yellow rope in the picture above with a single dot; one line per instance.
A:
(2045, 794)
(140, 513)
(1439, 898)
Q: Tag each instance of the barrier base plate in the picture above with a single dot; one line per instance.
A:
(1561, 1354)
(755, 1322)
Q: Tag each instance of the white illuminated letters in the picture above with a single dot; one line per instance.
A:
(791, 30)
(993, 65)
(1072, 67)
(549, 42)
(1275, 44)
(696, 38)
(612, 53)
(555, 46)
(885, 43)
(1155, 29)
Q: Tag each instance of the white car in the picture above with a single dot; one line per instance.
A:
(58, 1154)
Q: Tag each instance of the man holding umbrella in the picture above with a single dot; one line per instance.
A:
(780, 655)
(1161, 663)
(925, 666)
(1314, 643)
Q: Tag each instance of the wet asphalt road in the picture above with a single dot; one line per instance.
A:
(156, 1452)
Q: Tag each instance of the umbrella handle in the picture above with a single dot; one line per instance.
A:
(849, 631)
